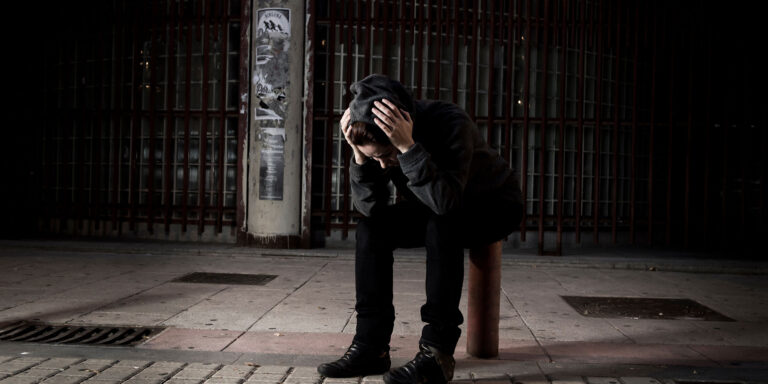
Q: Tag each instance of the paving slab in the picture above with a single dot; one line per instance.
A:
(623, 353)
(192, 339)
(306, 316)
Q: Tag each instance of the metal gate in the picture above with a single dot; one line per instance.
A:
(141, 125)
(597, 104)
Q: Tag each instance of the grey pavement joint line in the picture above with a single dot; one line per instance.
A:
(350, 315)
(65, 377)
(23, 367)
(278, 303)
(290, 370)
(520, 316)
(190, 306)
(249, 374)
(151, 365)
(206, 377)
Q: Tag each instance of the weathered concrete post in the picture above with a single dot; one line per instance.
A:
(484, 293)
(273, 189)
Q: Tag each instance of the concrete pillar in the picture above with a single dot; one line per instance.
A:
(272, 188)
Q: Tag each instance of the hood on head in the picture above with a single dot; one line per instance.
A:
(374, 88)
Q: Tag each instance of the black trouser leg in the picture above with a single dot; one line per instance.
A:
(373, 284)
(445, 275)
(397, 226)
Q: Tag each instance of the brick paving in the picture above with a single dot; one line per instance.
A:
(35, 370)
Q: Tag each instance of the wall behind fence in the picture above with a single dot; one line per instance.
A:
(609, 110)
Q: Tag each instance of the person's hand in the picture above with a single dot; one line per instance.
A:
(344, 123)
(395, 123)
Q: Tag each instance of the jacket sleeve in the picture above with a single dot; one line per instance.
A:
(439, 184)
(369, 186)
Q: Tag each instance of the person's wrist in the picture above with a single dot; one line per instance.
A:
(405, 148)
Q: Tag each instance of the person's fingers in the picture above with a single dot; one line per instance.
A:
(383, 117)
(383, 126)
(406, 116)
(393, 109)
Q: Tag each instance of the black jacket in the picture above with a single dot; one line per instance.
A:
(450, 169)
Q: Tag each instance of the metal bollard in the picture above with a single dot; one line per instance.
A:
(483, 301)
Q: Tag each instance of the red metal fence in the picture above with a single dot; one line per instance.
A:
(142, 119)
(630, 122)
(606, 109)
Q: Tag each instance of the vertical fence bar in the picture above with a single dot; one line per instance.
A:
(437, 29)
(368, 36)
(509, 103)
(170, 126)
(385, 37)
(329, 123)
(672, 105)
(187, 117)
(135, 121)
(455, 68)
(491, 69)
(708, 137)
(117, 116)
(401, 25)
(561, 128)
(152, 115)
(580, 125)
(526, 107)
(633, 164)
(224, 38)
(346, 149)
(95, 214)
(544, 122)
(615, 141)
(473, 66)
(598, 110)
(688, 145)
(204, 123)
(419, 46)
(654, 43)
(724, 190)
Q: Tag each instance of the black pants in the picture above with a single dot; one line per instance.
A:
(411, 225)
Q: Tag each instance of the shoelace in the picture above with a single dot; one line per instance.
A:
(421, 356)
(350, 351)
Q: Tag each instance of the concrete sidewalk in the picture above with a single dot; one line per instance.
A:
(306, 315)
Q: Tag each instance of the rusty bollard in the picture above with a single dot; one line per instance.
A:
(483, 300)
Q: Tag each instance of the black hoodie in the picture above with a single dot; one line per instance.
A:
(450, 168)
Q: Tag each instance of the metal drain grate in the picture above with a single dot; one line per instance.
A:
(225, 278)
(643, 308)
(37, 332)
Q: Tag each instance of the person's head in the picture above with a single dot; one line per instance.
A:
(373, 143)
(364, 131)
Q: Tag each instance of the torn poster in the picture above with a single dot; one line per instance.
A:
(270, 86)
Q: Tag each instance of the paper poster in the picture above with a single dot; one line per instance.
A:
(270, 87)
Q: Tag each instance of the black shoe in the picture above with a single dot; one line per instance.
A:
(358, 361)
(429, 366)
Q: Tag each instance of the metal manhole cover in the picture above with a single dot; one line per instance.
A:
(39, 332)
(225, 278)
(643, 308)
